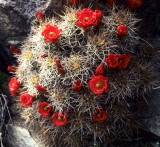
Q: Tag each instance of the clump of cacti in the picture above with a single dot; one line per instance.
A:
(79, 73)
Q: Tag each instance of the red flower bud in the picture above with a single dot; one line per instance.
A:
(39, 16)
(41, 57)
(41, 89)
(111, 2)
(59, 67)
(100, 70)
(121, 31)
(78, 86)
(74, 1)
(11, 69)
(16, 51)
(99, 16)
(134, 4)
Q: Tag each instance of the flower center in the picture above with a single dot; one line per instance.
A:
(86, 19)
(25, 100)
(76, 65)
(34, 80)
(113, 60)
(99, 115)
(51, 62)
(100, 41)
(97, 85)
(46, 108)
(60, 118)
(120, 61)
(52, 33)
(28, 55)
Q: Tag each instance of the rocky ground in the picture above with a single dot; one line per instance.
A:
(15, 22)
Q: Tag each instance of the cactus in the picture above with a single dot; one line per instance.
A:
(71, 60)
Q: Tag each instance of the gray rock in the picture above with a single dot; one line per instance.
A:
(150, 117)
(12, 23)
(4, 117)
(3, 2)
(14, 28)
(58, 6)
(19, 137)
(26, 8)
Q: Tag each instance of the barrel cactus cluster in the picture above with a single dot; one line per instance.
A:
(80, 74)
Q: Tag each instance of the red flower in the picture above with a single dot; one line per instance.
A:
(88, 19)
(117, 61)
(100, 115)
(98, 84)
(16, 51)
(100, 70)
(14, 86)
(41, 89)
(123, 61)
(44, 109)
(111, 2)
(59, 67)
(134, 4)
(59, 119)
(11, 69)
(74, 1)
(111, 61)
(121, 31)
(78, 86)
(39, 16)
(26, 100)
(51, 33)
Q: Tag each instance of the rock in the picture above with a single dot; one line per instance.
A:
(150, 117)
(13, 25)
(3, 2)
(14, 28)
(19, 137)
(4, 117)
(26, 8)
(53, 6)
(58, 6)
